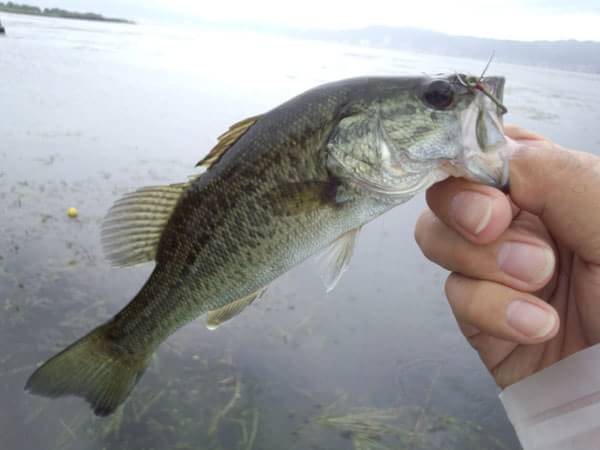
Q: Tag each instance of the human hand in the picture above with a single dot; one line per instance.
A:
(525, 281)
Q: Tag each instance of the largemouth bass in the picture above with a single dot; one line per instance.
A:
(277, 189)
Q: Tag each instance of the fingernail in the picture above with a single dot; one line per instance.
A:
(471, 210)
(529, 319)
(526, 262)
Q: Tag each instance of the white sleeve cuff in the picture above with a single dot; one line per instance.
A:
(559, 407)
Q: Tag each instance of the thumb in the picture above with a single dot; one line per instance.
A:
(560, 186)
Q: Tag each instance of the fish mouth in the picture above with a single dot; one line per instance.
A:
(495, 86)
(485, 158)
(490, 171)
(489, 127)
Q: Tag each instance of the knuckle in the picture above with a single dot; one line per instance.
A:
(461, 257)
(464, 295)
(477, 342)
(452, 286)
(424, 236)
(420, 234)
(475, 293)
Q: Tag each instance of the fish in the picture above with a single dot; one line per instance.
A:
(276, 189)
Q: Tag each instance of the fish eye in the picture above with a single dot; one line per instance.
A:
(439, 94)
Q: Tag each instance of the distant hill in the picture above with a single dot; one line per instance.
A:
(16, 8)
(582, 56)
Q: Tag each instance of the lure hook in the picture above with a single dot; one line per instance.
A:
(474, 83)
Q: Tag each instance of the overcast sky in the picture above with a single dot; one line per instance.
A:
(504, 19)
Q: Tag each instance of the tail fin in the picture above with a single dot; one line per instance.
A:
(93, 368)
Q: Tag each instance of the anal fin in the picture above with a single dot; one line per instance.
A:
(217, 317)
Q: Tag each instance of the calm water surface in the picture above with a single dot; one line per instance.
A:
(90, 111)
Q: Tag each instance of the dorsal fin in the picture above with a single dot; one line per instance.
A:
(133, 226)
(226, 140)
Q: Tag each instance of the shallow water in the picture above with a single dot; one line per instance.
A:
(90, 111)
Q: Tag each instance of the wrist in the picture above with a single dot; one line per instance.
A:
(558, 407)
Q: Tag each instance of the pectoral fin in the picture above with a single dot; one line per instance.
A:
(216, 317)
(335, 259)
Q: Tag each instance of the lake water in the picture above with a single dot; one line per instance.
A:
(90, 111)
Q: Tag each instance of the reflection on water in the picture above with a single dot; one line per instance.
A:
(90, 111)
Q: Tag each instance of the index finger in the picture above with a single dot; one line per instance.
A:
(478, 212)
(521, 134)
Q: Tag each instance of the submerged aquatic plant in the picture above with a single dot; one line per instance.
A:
(406, 428)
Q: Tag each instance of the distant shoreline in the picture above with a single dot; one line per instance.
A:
(14, 8)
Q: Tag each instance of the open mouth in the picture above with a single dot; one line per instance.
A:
(489, 129)
(484, 158)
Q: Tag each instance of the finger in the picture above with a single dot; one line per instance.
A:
(479, 213)
(586, 285)
(500, 311)
(562, 187)
(521, 258)
(521, 134)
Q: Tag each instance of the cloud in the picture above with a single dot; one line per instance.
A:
(500, 19)
(578, 7)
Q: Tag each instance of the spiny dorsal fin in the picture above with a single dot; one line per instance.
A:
(336, 258)
(216, 317)
(133, 226)
(226, 140)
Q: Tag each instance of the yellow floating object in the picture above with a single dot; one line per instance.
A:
(72, 212)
